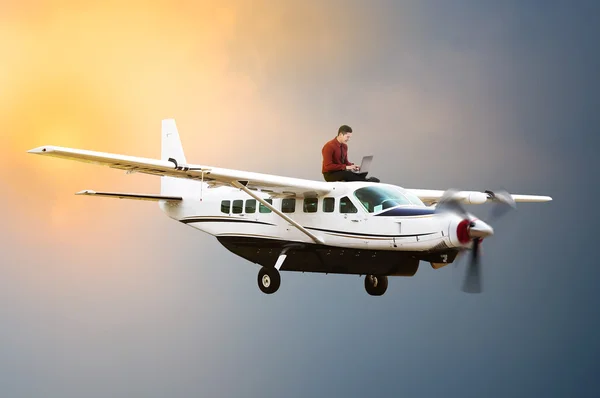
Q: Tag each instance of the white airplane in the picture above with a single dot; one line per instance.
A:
(290, 224)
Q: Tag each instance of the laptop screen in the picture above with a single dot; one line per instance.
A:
(365, 164)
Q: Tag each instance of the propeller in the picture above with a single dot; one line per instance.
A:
(504, 202)
(472, 282)
(476, 230)
(451, 202)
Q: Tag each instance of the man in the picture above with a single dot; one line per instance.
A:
(336, 166)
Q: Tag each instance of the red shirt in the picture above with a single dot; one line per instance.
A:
(335, 156)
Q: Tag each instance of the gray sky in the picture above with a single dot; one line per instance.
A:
(111, 298)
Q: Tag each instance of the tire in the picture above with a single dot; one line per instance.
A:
(376, 285)
(268, 280)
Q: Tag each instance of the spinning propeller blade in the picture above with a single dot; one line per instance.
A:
(477, 230)
(504, 202)
(472, 282)
(450, 202)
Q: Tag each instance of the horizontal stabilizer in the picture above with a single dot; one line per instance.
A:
(134, 196)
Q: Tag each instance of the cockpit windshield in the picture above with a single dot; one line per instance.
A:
(377, 198)
(414, 199)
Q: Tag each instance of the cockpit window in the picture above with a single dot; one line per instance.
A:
(414, 199)
(378, 198)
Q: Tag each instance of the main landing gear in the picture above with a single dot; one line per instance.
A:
(376, 285)
(268, 280)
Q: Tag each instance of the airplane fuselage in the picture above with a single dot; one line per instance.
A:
(354, 240)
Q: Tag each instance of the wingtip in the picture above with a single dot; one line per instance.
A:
(86, 192)
(40, 150)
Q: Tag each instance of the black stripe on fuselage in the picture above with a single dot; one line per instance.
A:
(333, 231)
(233, 220)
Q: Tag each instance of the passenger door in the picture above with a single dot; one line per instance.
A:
(351, 213)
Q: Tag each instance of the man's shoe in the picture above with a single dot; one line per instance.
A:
(373, 179)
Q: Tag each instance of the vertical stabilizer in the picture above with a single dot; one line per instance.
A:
(171, 148)
(171, 143)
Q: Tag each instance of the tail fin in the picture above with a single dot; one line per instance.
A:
(171, 148)
(171, 143)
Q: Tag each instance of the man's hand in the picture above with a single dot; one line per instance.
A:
(353, 167)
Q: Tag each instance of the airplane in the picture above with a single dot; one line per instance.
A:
(291, 224)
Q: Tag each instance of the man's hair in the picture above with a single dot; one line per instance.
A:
(344, 129)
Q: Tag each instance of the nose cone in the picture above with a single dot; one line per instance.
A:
(479, 229)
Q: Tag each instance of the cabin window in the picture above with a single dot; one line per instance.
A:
(264, 209)
(346, 206)
(288, 205)
(310, 205)
(225, 206)
(238, 206)
(328, 205)
(250, 206)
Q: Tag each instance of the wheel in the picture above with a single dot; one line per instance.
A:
(376, 285)
(268, 280)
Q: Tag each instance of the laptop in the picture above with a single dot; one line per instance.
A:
(365, 165)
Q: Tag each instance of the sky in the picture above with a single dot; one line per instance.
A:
(101, 297)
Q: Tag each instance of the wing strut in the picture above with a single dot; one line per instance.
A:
(241, 186)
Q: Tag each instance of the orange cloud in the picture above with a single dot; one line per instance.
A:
(101, 76)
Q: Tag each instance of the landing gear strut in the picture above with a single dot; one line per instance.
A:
(376, 285)
(268, 280)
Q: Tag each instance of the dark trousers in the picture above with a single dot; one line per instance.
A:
(344, 175)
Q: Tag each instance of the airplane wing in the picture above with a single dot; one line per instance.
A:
(431, 196)
(276, 186)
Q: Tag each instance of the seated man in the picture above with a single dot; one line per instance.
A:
(336, 166)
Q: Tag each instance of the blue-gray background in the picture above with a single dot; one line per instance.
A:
(110, 298)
